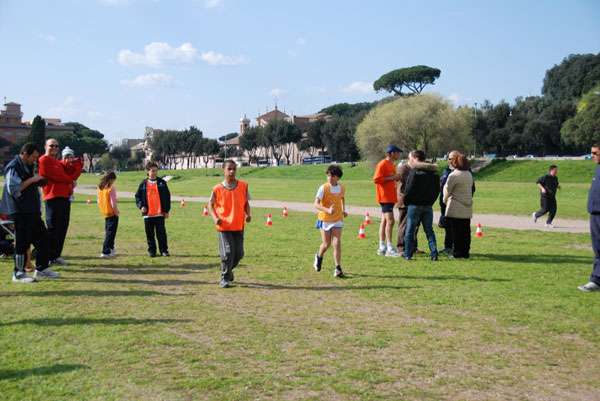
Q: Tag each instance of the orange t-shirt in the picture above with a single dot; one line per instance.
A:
(153, 199)
(230, 206)
(386, 191)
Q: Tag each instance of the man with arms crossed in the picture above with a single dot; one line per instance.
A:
(593, 207)
(385, 181)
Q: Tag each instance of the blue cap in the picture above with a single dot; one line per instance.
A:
(394, 148)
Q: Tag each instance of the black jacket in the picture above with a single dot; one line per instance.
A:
(141, 196)
(423, 184)
(29, 201)
(593, 204)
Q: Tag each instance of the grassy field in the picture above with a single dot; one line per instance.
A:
(504, 188)
(507, 324)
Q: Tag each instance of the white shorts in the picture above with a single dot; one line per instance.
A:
(328, 225)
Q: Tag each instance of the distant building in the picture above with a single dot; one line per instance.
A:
(12, 127)
(129, 142)
(302, 122)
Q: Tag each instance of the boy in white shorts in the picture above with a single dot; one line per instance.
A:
(332, 210)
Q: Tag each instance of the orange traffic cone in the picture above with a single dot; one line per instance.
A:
(479, 233)
(182, 202)
(285, 211)
(361, 232)
(205, 211)
(89, 202)
(367, 219)
(269, 221)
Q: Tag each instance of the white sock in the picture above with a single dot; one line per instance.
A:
(390, 245)
(381, 244)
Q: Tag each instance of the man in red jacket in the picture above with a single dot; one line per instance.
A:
(56, 198)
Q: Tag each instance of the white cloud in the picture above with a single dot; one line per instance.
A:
(47, 38)
(156, 79)
(359, 87)
(277, 92)
(292, 53)
(159, 53)
(212, 58)
(212, 3)
(69, 100)
(302, 41)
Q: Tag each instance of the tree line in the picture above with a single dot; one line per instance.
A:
(564, 120)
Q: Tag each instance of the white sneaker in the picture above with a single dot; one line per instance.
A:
(105, 255)
(548, 225)
(381, 251)
(22, 278)
(593, 287)
(46, 273)
(393, 253)
(534, 217)
(112, 253)
(59, 261)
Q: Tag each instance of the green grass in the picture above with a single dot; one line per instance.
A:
(507, 324)
(506, 187)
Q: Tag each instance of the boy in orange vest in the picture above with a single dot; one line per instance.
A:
(154, 200)
(229, 208)
(332, 209)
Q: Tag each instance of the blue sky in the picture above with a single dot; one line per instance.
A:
(121, 65)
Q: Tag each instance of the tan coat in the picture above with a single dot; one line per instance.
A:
(458, 195)
(403, 170)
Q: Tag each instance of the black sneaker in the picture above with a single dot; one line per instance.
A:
(224, 283)
(165, 254)
(434, 258)
(231, 275)
(152, 255)
(317, 263)
(338, 272)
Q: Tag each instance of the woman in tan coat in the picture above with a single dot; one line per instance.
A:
(458, 197)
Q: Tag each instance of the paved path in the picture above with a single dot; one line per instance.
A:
(486, 220)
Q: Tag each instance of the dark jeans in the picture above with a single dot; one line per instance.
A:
(30, 229)
(595, 231)
(111, 224)
(231, 251)
(447, 228)
(157, 224)
(418, 214)
(548, 204)
(58, 213)
(402, 214)
(461, 236)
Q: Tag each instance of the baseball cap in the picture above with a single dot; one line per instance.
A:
(394, 148)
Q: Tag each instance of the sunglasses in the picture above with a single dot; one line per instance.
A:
(53, 146)
(595, 153)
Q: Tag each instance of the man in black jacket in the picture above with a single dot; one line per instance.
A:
(593, 207)
(421, 190)
(21, 201)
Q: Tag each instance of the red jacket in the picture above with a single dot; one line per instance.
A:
(59, 182)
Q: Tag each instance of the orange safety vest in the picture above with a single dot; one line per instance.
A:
(104, 202)
(332, 199)
(230, 206)
(153, 199)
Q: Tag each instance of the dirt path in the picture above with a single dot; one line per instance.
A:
(486, 220)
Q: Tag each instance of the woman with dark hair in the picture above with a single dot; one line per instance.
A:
(458, 197)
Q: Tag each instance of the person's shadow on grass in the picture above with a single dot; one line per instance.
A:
(20, 374)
